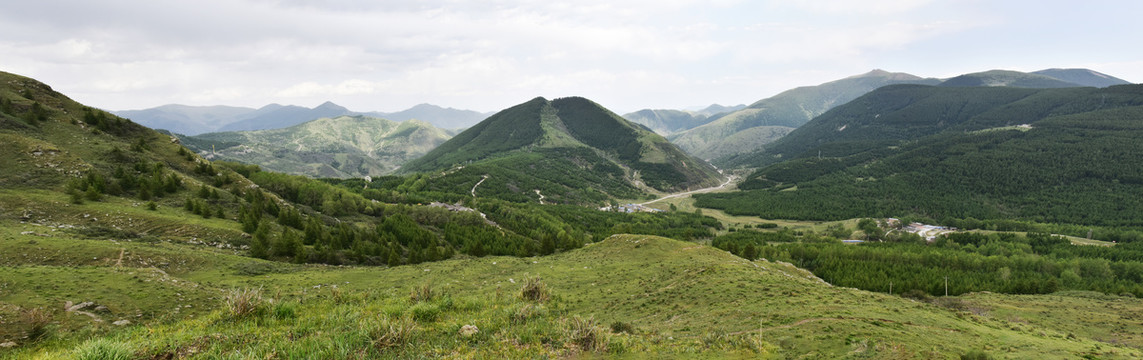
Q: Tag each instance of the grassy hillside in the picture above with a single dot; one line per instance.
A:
(345, 146)
(629, 296)
(1057, 156)
(789, 109)
(546, 146)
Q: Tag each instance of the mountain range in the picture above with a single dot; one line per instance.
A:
(1057, 155)
(339, 147)
(766, 120)
(194, 120)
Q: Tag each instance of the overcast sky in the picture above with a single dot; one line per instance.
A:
(488, 55)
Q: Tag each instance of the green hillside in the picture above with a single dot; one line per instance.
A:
(1067, 156)
(626, 296)
(789, 109)
(546, 146)
(341, 147)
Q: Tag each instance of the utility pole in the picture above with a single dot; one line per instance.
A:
(946, 286)
(890, 288)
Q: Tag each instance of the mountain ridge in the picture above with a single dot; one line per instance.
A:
(570, 132)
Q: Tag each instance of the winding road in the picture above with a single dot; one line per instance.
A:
(478, 184)
(729, 180)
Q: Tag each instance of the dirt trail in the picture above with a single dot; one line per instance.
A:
(729, 180)
(478, 184)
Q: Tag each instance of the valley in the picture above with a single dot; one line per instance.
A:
(353, 236)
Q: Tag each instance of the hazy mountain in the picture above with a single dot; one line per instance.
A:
(194, 120)
(284, 116)
(445, 118)
(1083, 77)
(1007, 78)
(715, 109)
(572, 149)
(345, 146)
(183, 119)
(666, 122)
(780, 113)
(1067, 155)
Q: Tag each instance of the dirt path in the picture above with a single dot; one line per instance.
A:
(541, 196)
(729, 180)
(478, 184)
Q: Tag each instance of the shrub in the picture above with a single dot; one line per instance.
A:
(535, 290)
(421, 293)
(916, 294)
(523, 313)
(975, 355)
(244, 302)
(586, 334)
(387, 333)
(622, 327)
(285, 310)
(425, 312)
(103, 349)
(38, 320)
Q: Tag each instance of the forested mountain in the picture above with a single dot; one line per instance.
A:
(345, 146)
(1048, 155)
(768, 119)
(1083, 77)
(569, 149)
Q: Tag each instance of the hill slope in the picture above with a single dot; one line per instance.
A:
(660, 297)
(780, 113)
(345, 146)
(1047, 155)
(570, 149)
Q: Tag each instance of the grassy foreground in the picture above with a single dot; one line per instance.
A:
(627, 296)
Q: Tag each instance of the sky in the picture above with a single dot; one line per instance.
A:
(489, 55)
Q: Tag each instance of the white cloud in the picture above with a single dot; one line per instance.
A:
(381, 55)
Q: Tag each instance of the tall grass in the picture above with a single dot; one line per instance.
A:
(241, 303)
(103, 349)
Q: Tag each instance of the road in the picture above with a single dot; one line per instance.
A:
(729, 180)
(478, 184)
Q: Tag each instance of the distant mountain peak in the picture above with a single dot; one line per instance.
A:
(329, 105)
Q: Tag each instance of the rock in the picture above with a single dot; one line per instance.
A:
(9, 344)
(468, 330)
(122, 322)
